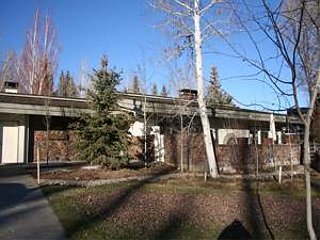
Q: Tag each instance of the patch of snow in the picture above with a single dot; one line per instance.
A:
(91, 167)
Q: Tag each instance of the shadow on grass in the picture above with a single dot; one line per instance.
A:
(177, 219)
(254, 211)
(235, 231)
(82, 225)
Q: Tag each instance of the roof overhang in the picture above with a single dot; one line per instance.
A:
(28, 109)
(41, 105)
(135, 103)
(243, 114)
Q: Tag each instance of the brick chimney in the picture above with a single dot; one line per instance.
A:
(188, 94)
(11, 87)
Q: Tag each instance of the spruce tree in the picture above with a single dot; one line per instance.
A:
(72, 89)
(136, 86)
(102, 134)
(315, 125)
(67, 86)
(216, 96)
(154, 89)
(164, 91)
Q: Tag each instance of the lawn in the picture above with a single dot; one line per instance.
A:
(185, 208)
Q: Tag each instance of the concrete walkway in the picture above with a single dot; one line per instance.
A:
(25, 212)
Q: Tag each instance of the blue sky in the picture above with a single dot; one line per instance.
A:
(122, 29)
(86, 30)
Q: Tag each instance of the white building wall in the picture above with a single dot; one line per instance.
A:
(21, 143)
(158, 143)
(238, 133)
(137, 130)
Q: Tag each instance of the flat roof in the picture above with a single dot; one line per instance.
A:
(61, 106)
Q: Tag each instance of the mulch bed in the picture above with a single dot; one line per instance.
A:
(98, 175)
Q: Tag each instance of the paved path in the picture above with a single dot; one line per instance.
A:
(25, 212)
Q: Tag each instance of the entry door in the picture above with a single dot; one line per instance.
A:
(1, 136)
(10, 137)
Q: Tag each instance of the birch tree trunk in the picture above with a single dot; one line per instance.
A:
(306, 162)
(200, 87)
(185, 17)
(306, 159)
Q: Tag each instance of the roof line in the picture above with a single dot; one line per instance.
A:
(140, 95)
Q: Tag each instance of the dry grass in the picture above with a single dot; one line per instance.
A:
(184, 208)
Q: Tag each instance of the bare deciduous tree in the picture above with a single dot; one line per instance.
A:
(290, 29)
(39, 56)
(9, 68)
(38, 64)
(188, 29)
(180, 79)
(83, 80)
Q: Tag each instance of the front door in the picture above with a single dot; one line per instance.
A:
(10, 137)
(1, 136)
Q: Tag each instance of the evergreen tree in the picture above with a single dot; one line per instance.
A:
(67, 86)
(154, 89)
(315, 125)
(216, 96)
(164, 91)
(103, 134)
(136, 86)
(62, 85)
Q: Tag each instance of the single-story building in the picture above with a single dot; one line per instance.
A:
(23, 123)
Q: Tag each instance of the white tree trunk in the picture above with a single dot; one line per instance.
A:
(181, 143)
(306, 162)
(306, 158)
(200, 88)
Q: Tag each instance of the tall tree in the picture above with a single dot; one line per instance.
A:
(9, 68)
(164, 91)
(307, 23)
(216, 95)
(185, 18)
(315, 125)
(103, 133)
(136, 85)
(154, 90)
(181, 78)
(290, 29)
(67, 86)
(83, 79)
(39, 56)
